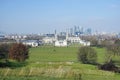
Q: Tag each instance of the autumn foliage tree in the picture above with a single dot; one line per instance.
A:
(18, 52)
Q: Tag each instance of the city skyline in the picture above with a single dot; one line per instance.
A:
(45, 16)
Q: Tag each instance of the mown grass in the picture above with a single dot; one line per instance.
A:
(58, 63)
(47, 54)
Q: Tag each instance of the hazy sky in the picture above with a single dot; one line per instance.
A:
(44, 16)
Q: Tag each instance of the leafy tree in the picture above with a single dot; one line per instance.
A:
(87, 55)
(18, 52)
(4, 49)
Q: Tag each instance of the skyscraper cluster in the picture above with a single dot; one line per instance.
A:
(76, 30)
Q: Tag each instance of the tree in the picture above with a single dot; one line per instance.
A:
(94, 42)
(4, 49)
(114, 48)
(111, 53)
(87, 55)
(18, 52)
(117, 42)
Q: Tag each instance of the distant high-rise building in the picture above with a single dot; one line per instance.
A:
(55, 35)
(71, 31)
(75, 30)
(55, 31)
(81, 30)
(88, 31)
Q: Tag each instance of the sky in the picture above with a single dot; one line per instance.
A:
(45, 16)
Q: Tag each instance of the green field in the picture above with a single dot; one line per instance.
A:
(54, 54)
(57, 63)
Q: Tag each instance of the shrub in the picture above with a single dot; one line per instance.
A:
(87, 55)
(109, 66)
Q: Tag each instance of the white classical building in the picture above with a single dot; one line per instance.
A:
(85, 43)
(74, 39)
(48, 40)
(33, 43)
(64, 42)
(61, 43)
(78, 40)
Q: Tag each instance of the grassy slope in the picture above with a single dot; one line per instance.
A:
(55, 63)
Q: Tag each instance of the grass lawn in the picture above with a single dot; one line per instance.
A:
(48, 54)
(57, 63)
